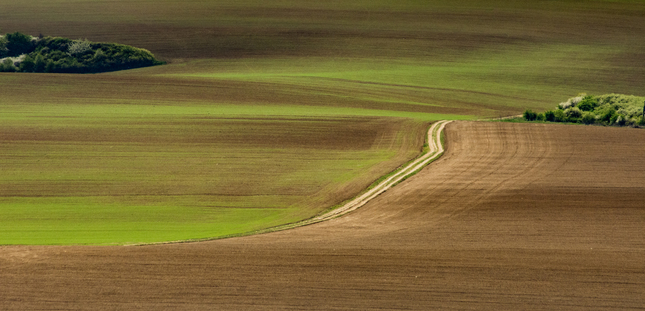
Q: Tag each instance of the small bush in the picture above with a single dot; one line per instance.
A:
(549, 116)
(608, 116)
(540, 117)
(39, 64)
(573, 113)
(559, 116)
(529, 115)
(99, 56)
(27, 64)
(8, 66)
(588, 117)
(50, 66)
(588, 103)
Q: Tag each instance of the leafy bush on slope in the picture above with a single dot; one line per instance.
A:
(608, 109)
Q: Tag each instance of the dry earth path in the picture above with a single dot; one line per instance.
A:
(512, 216)
(435, 150)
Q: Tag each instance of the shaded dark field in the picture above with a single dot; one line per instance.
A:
(513, 216)
(214, 29)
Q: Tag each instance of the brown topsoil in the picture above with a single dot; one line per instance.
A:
(513, 216)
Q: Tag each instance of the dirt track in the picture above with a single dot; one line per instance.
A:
(435, 150)
(513, 216)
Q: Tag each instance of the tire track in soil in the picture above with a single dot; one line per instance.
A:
(434, 152)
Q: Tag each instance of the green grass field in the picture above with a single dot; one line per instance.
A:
(269, 113)
(104, 173)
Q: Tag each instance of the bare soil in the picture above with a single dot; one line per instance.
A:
(513, 216)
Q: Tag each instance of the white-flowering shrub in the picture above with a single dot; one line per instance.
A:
(571, 102)
(14, 60)
(564, 105)
(79, 47)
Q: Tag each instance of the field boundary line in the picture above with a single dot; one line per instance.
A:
(435, 150)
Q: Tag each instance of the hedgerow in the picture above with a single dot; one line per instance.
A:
(62, 55)
(609, 109)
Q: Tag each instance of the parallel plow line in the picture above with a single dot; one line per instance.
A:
(434, 152)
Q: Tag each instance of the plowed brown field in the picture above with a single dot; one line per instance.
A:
(513, 216)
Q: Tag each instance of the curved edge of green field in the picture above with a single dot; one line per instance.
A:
(150, 225)
(384, 183)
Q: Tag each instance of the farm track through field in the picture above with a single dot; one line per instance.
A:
(512, 216)
(435, 150)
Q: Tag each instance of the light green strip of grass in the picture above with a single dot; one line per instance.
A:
(146, 110)
(84, 220)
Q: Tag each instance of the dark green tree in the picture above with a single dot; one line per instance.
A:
(588, 117)
(50, 66)
(18, 44)
(549, 116)
(588, 103)
(529, 115)
(27, 64)
(609, 116)
(559, 116)
(39, 64)
(3, 47)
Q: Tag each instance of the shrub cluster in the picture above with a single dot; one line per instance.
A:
(23, 53)
(610, 109)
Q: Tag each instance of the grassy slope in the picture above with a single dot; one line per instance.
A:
(85, 174)
(311, 62)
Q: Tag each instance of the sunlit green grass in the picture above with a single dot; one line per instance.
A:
(95, 220)
(115, 174)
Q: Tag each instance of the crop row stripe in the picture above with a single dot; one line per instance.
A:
(435, 150)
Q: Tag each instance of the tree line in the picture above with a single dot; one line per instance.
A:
(24, 53)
